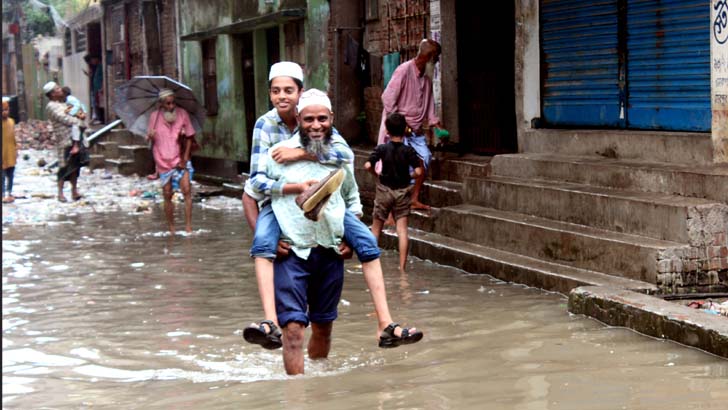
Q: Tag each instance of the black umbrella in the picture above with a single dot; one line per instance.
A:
(136, 99)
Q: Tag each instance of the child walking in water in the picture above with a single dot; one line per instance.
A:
(394, 191)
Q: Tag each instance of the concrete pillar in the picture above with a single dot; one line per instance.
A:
(719, 78)
(527, 66)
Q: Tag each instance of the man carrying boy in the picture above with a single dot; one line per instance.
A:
(394, 192)
(279, 124)
(308, 282)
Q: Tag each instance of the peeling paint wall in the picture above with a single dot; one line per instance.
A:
(317, 68)
(719, 78)
(225, 134)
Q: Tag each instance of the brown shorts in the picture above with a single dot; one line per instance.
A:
(396, 201)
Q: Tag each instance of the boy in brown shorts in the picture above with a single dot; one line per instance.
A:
(400, 164)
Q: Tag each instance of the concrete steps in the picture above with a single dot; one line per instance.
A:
(654, 215)
(630, 256)
(508, 266)
(700, 181)
(664, 224)
(142, 157)
(122, 152)
(109, 149)
(121, 166)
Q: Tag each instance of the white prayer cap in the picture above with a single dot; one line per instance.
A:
(49, 86)
(164, 93)
(286, 69)
(313, 97)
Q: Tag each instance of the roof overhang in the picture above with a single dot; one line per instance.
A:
(91, 14)
(243, 26)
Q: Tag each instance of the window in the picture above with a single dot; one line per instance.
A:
(372, 9)
(80, 41)
(67, 45)
(209, 74)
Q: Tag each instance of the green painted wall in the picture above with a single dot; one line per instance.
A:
(224, 135)
(317, 23)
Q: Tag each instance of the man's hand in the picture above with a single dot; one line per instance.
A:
(182, 164)
(345, 250)
(283, 249)
(307, 184)
(74, 149)
(285, 154)
(151, 134)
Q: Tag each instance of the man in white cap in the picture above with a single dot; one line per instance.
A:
(278, 124)
(308, 282)
(68, 144)
(286, 81)
(172, 134)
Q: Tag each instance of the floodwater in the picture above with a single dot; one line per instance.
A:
(108, 311)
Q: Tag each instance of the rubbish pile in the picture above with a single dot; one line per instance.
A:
(710, 306)
(34, 134)
(35, 191)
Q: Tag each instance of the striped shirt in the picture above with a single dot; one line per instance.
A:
(270, 130)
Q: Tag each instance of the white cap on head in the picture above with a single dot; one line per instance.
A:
(164, 93)
(49, 86)
(313, 97)
(286, 69)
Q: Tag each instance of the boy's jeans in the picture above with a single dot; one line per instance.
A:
(356, 234)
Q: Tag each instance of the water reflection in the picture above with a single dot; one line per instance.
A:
(108, 311)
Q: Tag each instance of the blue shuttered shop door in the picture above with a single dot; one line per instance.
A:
(642, 64)
(668, 64)
(580, 62)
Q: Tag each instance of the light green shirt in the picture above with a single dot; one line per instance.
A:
(303, 233)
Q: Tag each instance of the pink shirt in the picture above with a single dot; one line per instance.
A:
(411, 95)
(166, 147)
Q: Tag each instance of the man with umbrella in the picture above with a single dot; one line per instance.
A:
(171, 131)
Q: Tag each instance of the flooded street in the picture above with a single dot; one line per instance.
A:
(108, 311)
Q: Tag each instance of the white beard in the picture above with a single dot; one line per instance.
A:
(170, 116)
(430, 70)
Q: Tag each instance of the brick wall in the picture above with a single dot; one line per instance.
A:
(400, 26)
(168, 32)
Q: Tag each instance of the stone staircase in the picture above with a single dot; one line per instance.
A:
(122, 152)
(562, 221)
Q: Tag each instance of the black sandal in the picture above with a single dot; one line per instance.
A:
(257, 335)
(388, 339)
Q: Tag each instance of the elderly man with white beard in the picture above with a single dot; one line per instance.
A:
(309, 281)
(171, 133)
(409, 92)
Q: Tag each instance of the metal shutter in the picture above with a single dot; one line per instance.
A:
(668, 64)
(580, 63)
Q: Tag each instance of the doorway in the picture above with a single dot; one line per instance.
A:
(486, 92)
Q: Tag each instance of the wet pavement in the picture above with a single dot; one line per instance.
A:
(103, 309)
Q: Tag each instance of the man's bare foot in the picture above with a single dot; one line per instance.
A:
(420, 205)
(402, 268)
(188, 229)
(8, 199)
(62, 198)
